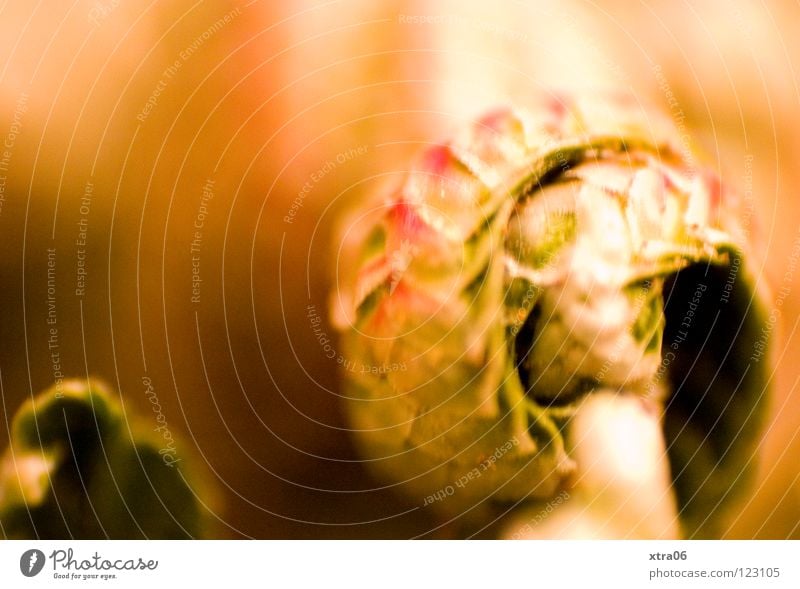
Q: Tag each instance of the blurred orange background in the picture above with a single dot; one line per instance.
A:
(207, 149)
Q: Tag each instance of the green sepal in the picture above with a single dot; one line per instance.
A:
(78, 468)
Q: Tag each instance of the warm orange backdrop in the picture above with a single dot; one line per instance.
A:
(260, 105)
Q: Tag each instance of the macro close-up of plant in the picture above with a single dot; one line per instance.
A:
(344, 270)
(550, 278)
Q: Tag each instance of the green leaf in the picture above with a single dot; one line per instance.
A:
(76, 468)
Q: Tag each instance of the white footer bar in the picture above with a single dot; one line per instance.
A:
(401, 564)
